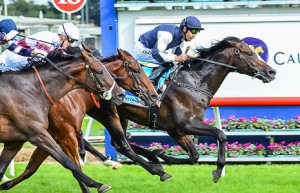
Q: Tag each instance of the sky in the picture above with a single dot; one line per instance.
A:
(41, 2)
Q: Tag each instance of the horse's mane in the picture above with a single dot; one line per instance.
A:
(217, 46)
(60, 55)
(114, 57)
(210, 51)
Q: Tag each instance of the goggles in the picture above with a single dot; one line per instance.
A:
(71, 41)
(194, 31)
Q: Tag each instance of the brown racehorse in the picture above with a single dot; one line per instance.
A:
(188, 95)
(67, 115)
(25, 104)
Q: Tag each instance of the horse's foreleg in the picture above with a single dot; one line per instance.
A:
(44, 141)
(35, 161)
(199, 128)
(8, 153)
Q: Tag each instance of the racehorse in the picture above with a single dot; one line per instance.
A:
(190, 89)
(66, 116)
(26, 99)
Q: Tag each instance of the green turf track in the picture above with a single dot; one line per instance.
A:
(53, 178)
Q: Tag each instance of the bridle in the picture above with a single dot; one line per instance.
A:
(131, 73)
(238, 52)
(89, 74)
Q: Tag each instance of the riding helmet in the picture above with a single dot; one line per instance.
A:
(7, 25)
(70, 30)
(191, 22)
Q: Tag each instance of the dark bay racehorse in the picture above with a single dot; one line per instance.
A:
(66, 116)
(188, 95)
(25, 104)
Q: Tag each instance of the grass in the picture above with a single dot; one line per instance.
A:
(97, 128)
(53, 178)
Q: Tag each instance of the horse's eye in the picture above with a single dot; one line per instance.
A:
(135, 70)
(99, 71)
(250, 54)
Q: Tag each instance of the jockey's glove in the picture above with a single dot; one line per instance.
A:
(41, 53)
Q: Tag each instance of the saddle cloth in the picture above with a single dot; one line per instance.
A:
(136, 101)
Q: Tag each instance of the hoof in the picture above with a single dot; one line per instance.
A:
(104, 188)
(157, 152)
(115, 165)
(215, 176)
(5, 179)
(165, 177)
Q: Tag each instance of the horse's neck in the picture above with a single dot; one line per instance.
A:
(56, 84)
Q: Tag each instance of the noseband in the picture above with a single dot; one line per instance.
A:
(131, 74)
(105, 94)
(255, 70)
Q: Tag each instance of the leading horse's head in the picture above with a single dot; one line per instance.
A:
(133, 77)
(86, 71)
(246, 60)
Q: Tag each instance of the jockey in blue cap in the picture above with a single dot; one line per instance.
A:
(161, 46)
(8, 30)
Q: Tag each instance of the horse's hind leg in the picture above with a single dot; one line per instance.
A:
(150, 155)
(115, 165)
(8, 153)
(119, 141)
(186, 142)
(37, 158)
(81, 148)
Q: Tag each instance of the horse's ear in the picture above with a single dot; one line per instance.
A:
(120, 53)
(232, 43)
(83, 46)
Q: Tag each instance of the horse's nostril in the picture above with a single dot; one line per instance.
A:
(272, 72)
(121, 96)
(154, 96)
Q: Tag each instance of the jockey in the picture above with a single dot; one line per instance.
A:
(8, 30)
(161, 46)
(15, 57)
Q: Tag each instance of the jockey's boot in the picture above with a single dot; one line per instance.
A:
(156, 74)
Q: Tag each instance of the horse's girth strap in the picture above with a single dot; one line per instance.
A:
(43, 86)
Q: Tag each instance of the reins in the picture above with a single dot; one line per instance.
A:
(195, 88)
(75, 79)
(68, 76)
(217, 63)
(43, 86)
